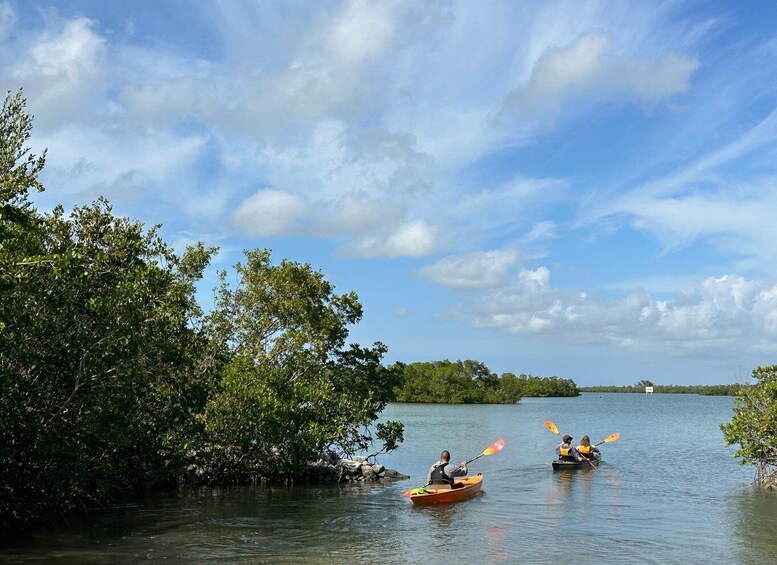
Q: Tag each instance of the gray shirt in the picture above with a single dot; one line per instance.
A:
(450, 470)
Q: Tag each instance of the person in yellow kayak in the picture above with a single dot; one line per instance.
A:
(586, 449)
(443, 472)
(566, 451)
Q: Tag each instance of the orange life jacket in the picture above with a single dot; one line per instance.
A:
(584, 449)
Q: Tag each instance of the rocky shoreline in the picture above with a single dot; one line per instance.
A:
(357, 469)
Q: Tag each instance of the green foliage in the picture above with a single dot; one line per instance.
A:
(391, 434)
(708, 390)
(113, 378)
(754, 425)
(18, 167)
(97, 358)
(291, 390)
(459, 382)
(531, 386)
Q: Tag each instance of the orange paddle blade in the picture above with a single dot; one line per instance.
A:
(551, 426)
(495, 447)
(613, 437)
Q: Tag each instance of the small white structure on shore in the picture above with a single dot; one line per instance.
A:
(648, 390)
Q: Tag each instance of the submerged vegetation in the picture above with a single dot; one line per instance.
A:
(114, 379)
(471, 382)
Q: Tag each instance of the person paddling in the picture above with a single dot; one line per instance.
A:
(566, 451)
(443, 472)
(586, 449)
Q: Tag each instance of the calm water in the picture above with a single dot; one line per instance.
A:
(667, 492)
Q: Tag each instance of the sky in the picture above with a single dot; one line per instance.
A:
(577, 189)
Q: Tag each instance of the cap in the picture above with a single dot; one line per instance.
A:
(567, 438)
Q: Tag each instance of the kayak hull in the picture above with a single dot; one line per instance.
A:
(572, 465)
(431, 495)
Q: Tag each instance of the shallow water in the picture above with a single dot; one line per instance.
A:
(668, 491)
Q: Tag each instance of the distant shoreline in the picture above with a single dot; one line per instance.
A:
(705, 390)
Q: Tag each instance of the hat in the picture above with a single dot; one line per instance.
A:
(567, 438)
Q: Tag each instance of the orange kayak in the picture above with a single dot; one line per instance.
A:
(444, 495)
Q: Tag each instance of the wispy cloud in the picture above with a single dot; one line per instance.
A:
(486, 145)
(720, 197)
(590, 69)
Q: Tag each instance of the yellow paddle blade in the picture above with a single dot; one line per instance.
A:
(495, 447)
(612, 437)
(551, 426)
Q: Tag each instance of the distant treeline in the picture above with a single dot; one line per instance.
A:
(471, 382)
(709, 390)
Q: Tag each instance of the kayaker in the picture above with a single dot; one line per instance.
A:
(443, 472)
(566, 451)
(586, 449)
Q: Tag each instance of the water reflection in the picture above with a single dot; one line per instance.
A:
(754, 523)
(669, 510)
(565, 481)
(495, 544)
(582, 490)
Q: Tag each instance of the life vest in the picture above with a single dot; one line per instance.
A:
(438, 474)
(565, 451)
(584, 449)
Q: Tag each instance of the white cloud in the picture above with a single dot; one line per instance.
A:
(413, 239)
(271, 212)
(723, 314)
(740, 223)
(358, 215)
(590, 68)
(328, 73)
(358, 185)
(335, 160)
(361, 31)
(475, 270)
(62, 68)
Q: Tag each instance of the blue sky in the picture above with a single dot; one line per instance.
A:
(580, 189)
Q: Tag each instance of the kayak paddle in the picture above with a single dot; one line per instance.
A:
(609, 439)
(495, 447)
(552, 427)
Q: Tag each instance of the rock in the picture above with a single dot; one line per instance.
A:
(367, 472)
(378, 469)
(349, 465)
(392, 474)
